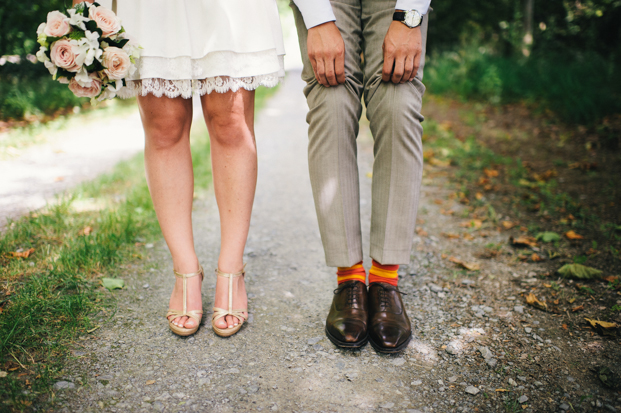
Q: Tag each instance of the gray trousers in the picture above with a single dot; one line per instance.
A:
(394, 114)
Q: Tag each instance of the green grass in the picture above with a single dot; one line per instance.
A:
(580, 89)
(54, 296)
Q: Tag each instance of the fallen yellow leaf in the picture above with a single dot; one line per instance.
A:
(490, 173)
(604, 328)
(478, 196)
(474, 223)
(440, 163)
(572, 235)
(470, 266)
(468, 237)
(421, 232)
(602, 324)
(150, 382)
(451, 235)
(531, 299)
(508, 224)
(23, 254)
(535, 258)
(524, 241)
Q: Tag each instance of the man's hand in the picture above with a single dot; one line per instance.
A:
(326, 51)
(402, 53)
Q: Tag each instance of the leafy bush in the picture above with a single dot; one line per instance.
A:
(580, 90)
(28, 89)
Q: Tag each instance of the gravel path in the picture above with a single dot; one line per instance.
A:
(476, 346)
(71, 156)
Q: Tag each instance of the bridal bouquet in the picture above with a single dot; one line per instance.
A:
(88, 49)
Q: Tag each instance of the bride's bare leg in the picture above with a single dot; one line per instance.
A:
(170, 178)
(230, 120)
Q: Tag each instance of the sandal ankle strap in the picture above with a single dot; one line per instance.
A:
(194, 274)
(231, 275)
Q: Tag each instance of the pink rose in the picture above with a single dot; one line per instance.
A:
(106, 20)
(57, 24)
(86, 92)
(116, 63)
(62, 55)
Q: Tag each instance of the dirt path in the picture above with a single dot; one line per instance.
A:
(476, 346)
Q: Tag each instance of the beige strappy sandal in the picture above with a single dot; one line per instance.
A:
(195, 315)
(219, 312)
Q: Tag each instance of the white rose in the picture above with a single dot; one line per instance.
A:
(41, 55)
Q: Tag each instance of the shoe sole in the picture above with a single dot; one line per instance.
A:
(226, 332)
(345, 344)
(390, 350)
(183, 332)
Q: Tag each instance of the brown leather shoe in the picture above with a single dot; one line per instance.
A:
(346, 325)
(390, 330)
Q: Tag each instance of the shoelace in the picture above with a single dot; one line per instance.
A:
(352, 298)
(383, 296)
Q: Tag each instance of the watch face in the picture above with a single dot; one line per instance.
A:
(412, 18)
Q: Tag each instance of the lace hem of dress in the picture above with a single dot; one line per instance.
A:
(188, 87)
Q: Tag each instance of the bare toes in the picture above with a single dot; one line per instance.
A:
(221, 322)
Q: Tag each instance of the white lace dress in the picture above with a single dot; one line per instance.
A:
(200, 46)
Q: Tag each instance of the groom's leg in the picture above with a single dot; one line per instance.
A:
(394, 112)
(333, 118)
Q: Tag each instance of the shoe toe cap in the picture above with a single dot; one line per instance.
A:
(390, 336)
(348, 331)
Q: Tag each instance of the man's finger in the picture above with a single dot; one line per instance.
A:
(330, 72)
(320, 72)
(417, 58)
(314, 65)
(339, 68)
(409, 68)
(389, 62)
(397, 73)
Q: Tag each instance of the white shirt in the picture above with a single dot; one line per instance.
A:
(316, 12)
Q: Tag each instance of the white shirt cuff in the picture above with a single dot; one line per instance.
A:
(422, 6)
(315, 12)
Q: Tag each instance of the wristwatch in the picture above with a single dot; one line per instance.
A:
(411, 18)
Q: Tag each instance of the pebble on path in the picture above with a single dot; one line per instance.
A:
(472, 390)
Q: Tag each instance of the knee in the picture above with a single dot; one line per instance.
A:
(327, 101)
(397, 100)
(227, 128)
(168, 131)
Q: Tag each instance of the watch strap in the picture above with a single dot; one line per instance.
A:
(399, 16)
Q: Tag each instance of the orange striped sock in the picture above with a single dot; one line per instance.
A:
(356, 272)
(383, 274)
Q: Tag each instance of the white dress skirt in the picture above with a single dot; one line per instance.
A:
(201, 46)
